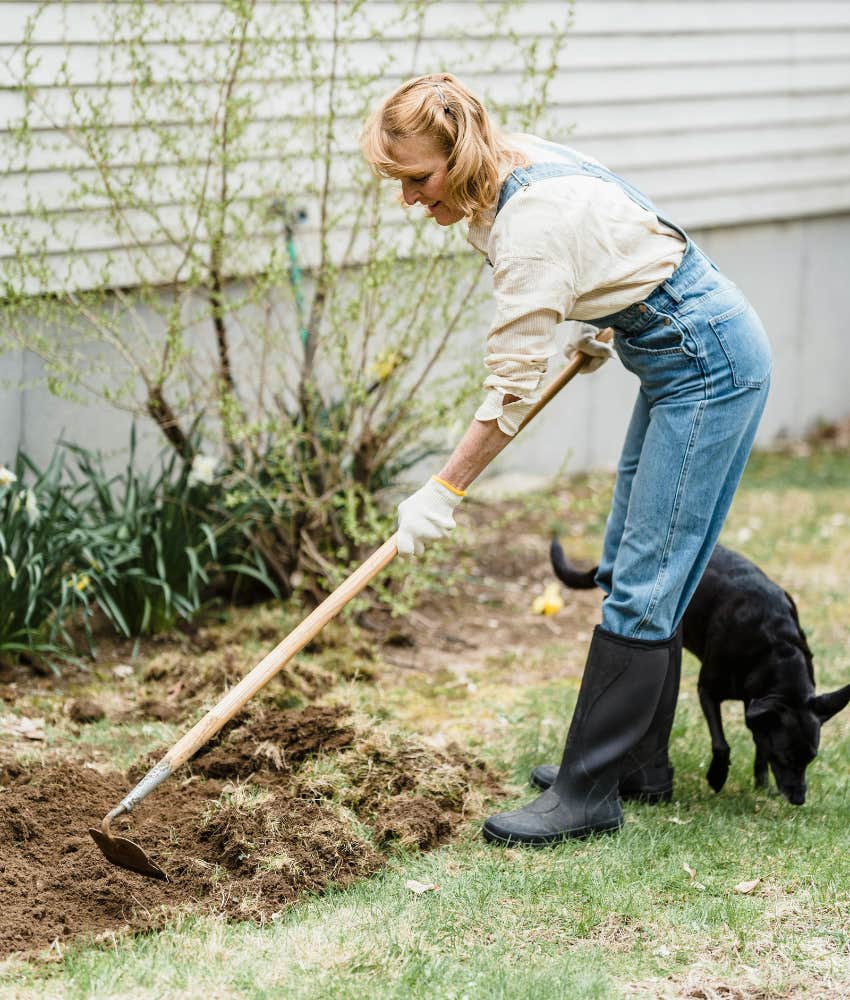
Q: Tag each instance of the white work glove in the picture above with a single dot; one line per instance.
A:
(429, 513)
(583, 341)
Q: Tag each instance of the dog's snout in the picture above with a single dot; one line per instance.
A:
(795, 794)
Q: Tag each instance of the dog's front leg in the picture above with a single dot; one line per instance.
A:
(760, 768)
(718, 770)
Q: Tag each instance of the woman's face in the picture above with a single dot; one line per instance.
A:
(422, 170)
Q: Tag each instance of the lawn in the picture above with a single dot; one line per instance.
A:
(472, 675)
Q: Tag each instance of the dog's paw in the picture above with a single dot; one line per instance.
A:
(718, 770)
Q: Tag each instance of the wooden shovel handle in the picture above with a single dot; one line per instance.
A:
(274, 661)
(237, 696)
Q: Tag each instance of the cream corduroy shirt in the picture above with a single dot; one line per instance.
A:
(573, 247)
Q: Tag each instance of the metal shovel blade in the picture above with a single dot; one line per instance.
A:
(125, 854)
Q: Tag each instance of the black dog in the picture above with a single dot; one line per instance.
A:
(745, 631)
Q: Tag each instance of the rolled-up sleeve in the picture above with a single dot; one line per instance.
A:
(532, 295)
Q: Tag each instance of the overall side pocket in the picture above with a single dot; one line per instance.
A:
(661, 338)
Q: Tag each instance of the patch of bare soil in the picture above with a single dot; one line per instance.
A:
(285, 802)
(198, 671)
(496, 573)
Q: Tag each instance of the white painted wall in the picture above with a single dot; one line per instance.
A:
(733, 116)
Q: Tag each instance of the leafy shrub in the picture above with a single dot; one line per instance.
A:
(153, 538)
(317, 497)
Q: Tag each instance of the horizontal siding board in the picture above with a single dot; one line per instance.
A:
(569, 88)
(661, 117)
(760, 204)
(53, 150)
(705, 148)
(82, 64)
(665, 183)
(163, 262)
(59, 191)
(756, 16)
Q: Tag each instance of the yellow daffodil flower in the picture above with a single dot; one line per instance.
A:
(549, 602)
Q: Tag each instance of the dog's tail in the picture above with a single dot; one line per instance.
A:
(577, 579)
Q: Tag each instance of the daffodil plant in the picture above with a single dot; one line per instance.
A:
(42, 593)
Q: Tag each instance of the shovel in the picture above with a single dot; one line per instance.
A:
(125, 853)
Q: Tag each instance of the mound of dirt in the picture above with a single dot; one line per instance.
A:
(282, 853)
(156, 709)
(275, 741)
(285, 802)
(84, 710)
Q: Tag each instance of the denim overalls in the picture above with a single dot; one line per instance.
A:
(703, 361)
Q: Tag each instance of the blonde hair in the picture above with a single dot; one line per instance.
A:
(439, 107)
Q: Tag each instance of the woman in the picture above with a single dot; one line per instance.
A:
(568, 239)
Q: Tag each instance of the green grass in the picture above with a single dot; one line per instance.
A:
(609, 917)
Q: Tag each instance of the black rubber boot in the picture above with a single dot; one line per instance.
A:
(646, 774)
(617, 700)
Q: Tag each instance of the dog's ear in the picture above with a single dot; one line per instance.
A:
(826, 705)
(761, 712)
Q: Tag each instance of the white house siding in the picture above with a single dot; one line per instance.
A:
(734, 117)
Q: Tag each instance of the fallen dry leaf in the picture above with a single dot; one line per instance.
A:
(692, 874)
(747, 887)
(420, 887)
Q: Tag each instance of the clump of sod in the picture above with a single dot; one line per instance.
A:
(277, 846)
(406, 790)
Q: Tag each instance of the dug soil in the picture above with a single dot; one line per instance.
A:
(283, 803)
(290, 799)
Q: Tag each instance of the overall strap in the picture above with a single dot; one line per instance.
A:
(522, 177)
(568, 164)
